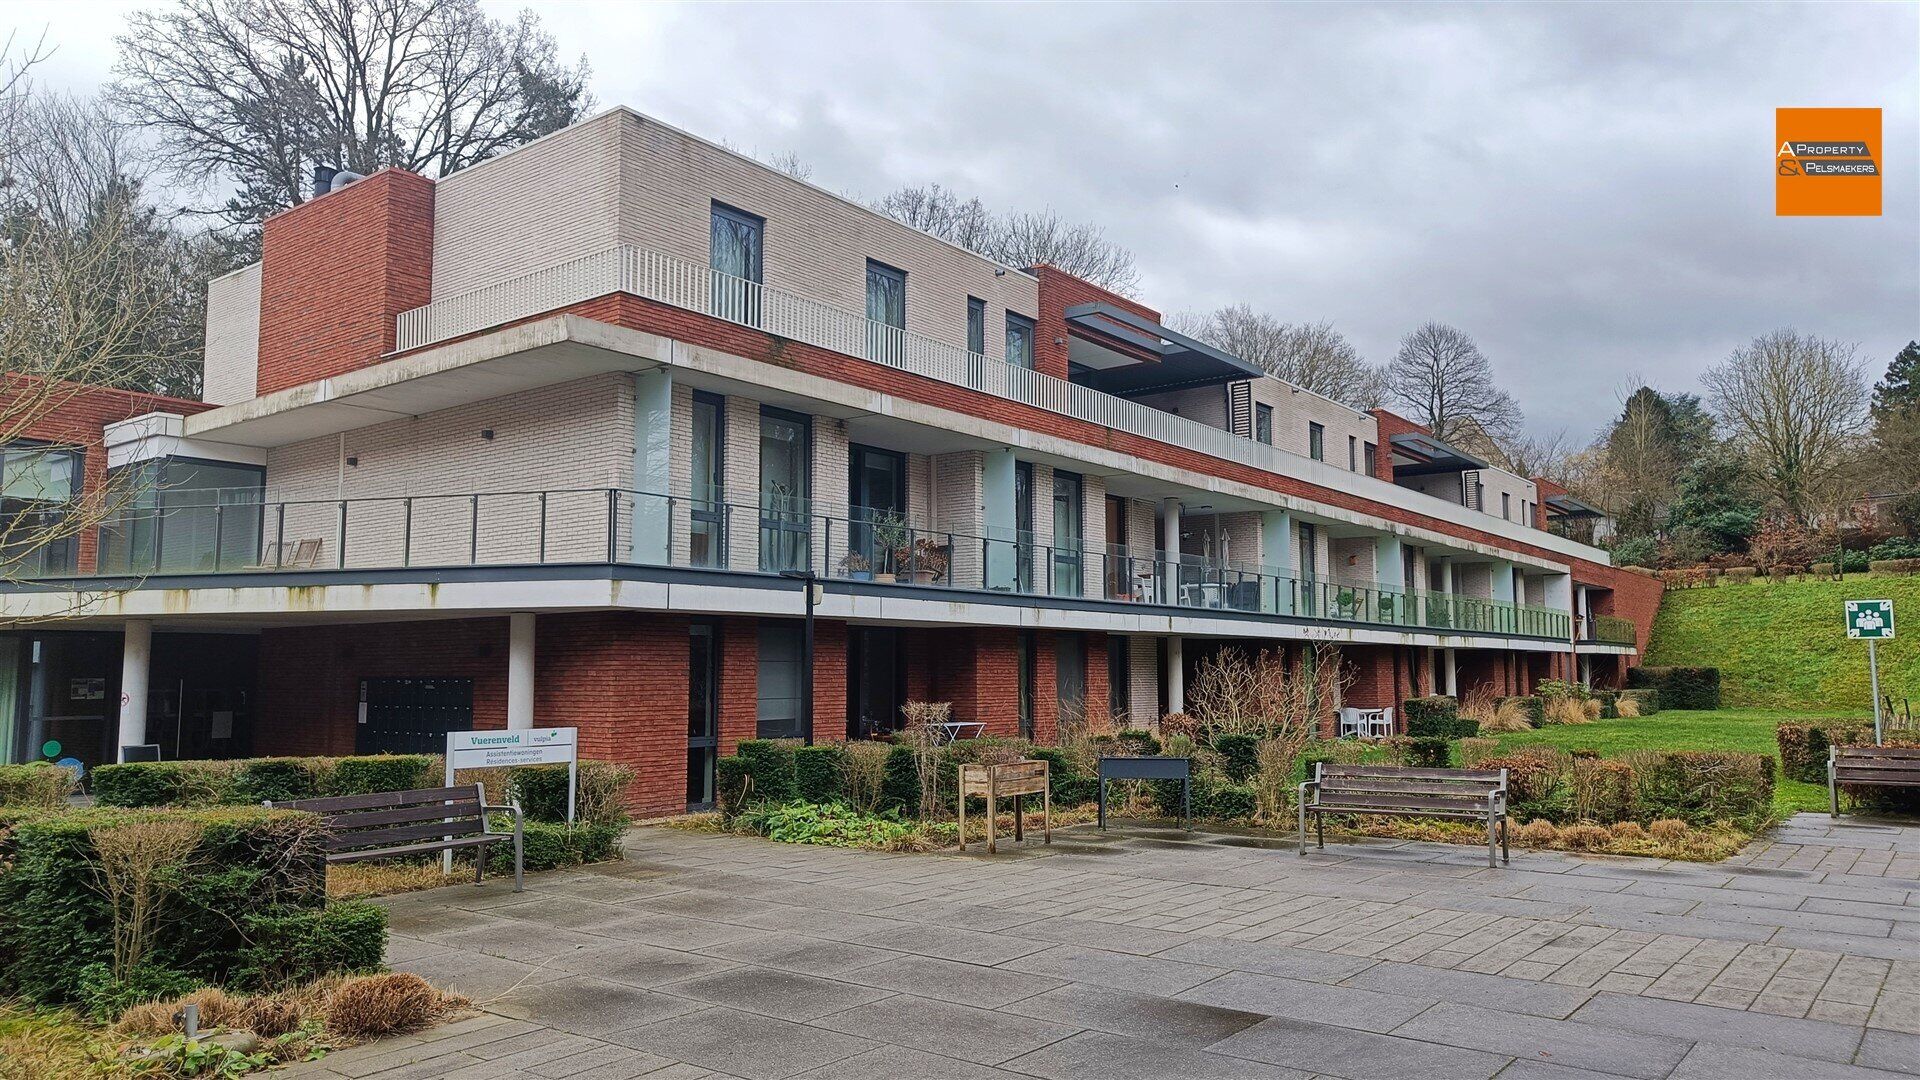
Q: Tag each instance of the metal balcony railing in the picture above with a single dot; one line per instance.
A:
(684, 284)
(233, 534)
(1608, 630)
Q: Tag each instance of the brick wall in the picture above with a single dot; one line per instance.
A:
(1059, 291)
(336, 271)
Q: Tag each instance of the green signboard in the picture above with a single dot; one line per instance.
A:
(1870, 619)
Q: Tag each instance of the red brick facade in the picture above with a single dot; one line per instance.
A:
(336, 271)
(1059, 291)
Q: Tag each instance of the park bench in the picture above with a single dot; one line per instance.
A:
(1875, 766)
(1474, 794)
(398, 824)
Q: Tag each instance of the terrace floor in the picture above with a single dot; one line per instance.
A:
(1153, 953)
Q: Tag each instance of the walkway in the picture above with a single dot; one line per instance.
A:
(1151, 953)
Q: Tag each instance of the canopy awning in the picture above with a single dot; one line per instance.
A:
(1429, 454)
(1118, 352)
(1566, 506)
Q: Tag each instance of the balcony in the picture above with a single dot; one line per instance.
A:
(230, 536)
(1608, 630)
(684, 284)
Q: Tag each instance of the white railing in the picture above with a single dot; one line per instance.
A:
(684, 284)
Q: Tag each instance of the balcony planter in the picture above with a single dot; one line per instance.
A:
(924, 559)
(854, 567)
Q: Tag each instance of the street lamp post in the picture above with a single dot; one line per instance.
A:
(811, 583)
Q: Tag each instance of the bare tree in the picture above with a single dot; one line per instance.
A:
(258, 92)
(1312, 356)
(1017, 239)
(1445, 383)
(1794, 405)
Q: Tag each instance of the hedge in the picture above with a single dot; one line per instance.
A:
(1679, 687)
(40, 785)
(1239, 756)
(1698, 787)
(1647, 698)
(600, 787)
(1803, 745)
(1893, 567)
(253, 780)
(1534, 706)
(249, 909)
(1437, 717)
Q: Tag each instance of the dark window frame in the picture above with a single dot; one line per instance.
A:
(1263, 423)
(709, 508)
(976, 326)
(1316, 441)
(737, 216)
(1370, 456)
(1026, 332)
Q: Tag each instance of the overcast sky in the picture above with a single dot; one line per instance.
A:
(1587, 189)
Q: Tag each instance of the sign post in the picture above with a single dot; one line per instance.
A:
(1872, 620)
(506, 749)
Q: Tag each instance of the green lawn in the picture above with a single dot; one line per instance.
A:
(1745, 730)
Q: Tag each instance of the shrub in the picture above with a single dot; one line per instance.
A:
(1137, 742)
(1895, 549)
(1568, 710)
(277, 779)
(900, 788)
(1226, 802)
(1645, 699)
(382, 772)
(1437, 716)
(1536, 784)
(1803, 746)
(598, 792)
(769, 765)
(552, 845)
(292, 946)
(1704, 787)
(1586, 837)
(41, 785)
(1679, 687)
(1626, 708)
(1428, 752)
(247, 864)
(1551, 689)
(864, 772)
(1534, 709)
(1894, 567)
(1740, 575)
(1475, 751)
(833, 825)
(139, 784)
(819, 772)
(382, 1005)
(1239, 756)
(1067, 784)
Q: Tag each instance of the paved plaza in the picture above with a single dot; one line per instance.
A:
(1147, 952)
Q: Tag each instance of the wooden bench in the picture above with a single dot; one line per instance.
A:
(1474, 794)
(1875, 766)
(424, 821)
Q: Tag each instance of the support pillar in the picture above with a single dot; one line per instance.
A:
(135, 657)
(1176, 676)
(1451, 667)
(520, 626)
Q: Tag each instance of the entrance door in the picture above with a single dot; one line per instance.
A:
(703, 713)
(877, 681)
(877, 497)
(1119, 575)
(412, 716)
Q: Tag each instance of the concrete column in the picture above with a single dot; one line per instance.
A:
(1176, 677)
(1170, 551)
(135, 655)
(1451, 667)
(520, 670)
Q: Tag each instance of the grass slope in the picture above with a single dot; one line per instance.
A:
(1784, 646)
(1744, 730)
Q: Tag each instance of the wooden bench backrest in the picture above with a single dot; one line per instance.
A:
(1895, 765)
(1389, 786)
(392, 818)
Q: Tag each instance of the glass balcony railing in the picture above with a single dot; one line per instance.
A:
(1608, 630)
(229, 535)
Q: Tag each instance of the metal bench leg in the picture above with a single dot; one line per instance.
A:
(1833, 793)
(1506, 827)
(1320, 830)
(479, 862)
(1492, 853)
(519, 866)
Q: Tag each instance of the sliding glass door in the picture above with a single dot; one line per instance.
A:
(785, 491)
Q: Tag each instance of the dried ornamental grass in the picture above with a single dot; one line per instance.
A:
(1475, 751)
(864, 772)
(349, 881)
(1537, 833)
(1626, 708)
(156, 1018)
(1508, 716)
(1567, 710)
(376, 1005)
(1628, 830)
(1669, 829)
(1586, 837)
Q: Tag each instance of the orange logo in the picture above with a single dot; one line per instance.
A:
(1826, 162)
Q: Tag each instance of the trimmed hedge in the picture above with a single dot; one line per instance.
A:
(240, 782)
(38, 785)
(542, 791)
(1647, 698)
(1697, 787)
(1428, 752)
(1679, 687)
(1803, 746)
(1437, 717)
(1239, 756)
(819, 772)
(248, 911)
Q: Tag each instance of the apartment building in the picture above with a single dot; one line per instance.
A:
(579, 435)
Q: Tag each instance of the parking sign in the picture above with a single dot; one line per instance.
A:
(1870, 619)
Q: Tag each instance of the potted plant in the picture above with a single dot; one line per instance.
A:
(855, 567)
(890, 537)
(927, 561)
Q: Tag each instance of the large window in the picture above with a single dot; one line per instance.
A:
(886, 312)
(1023, 539)
(1019, 341)
(976, 325)
(1316, 442)
(778, 679)
(1263, 424)
(1069, 533)
(1371, 458)
(707, 512)
(785, 519)
(735, 254)
(184, 516)
(703, 711)
(37, 486)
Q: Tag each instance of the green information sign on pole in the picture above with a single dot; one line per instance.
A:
(1872, 620)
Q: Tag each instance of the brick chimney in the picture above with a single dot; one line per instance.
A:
(335, 272)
